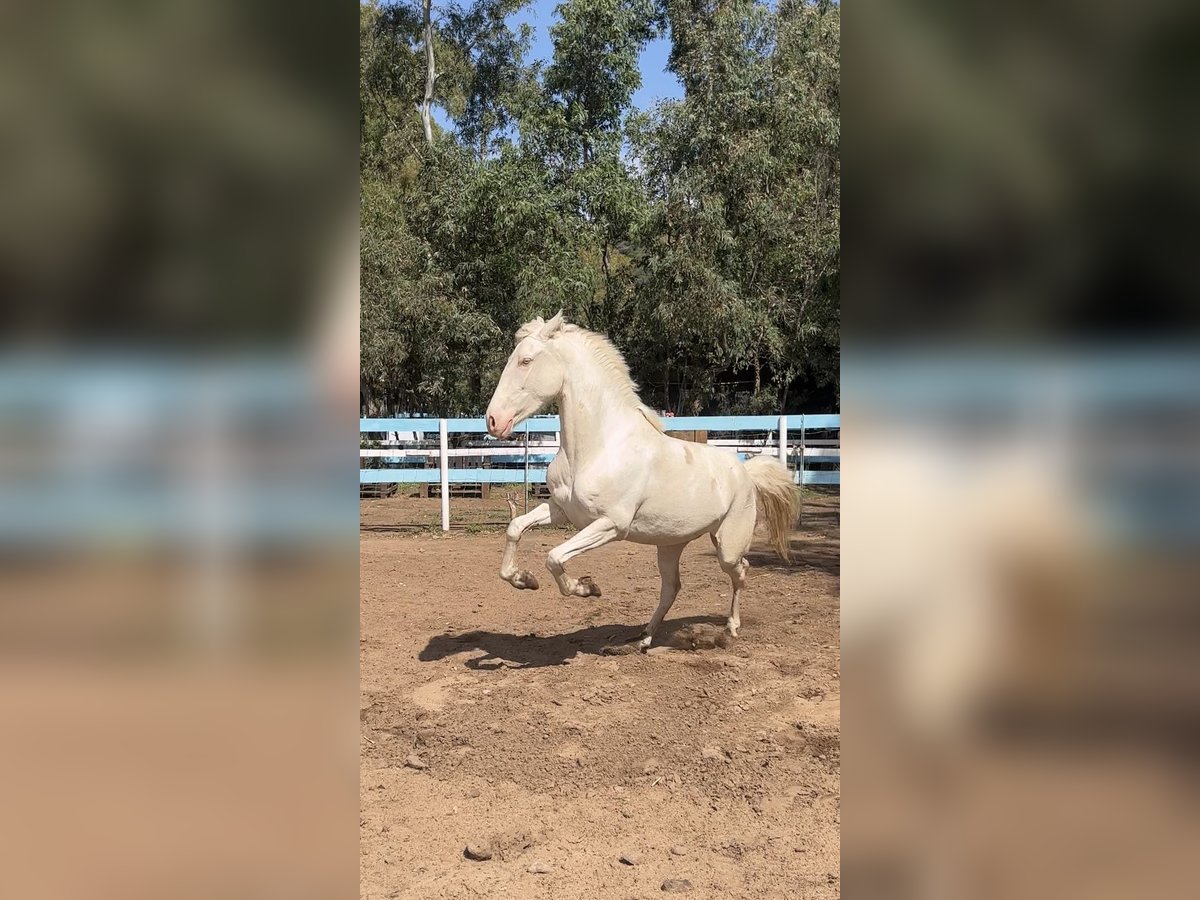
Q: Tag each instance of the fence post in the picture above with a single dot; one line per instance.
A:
(444, 466)
(783, 440)
(526, 465)
(803, 429)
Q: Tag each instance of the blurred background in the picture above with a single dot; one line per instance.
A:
(178, 386)
(178, 373)
(1021, 472)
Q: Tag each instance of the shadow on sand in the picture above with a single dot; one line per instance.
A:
(523, 651)
(805, 555)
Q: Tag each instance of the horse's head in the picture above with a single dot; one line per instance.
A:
(530, 380)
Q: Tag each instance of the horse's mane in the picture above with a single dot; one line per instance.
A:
(609, 357)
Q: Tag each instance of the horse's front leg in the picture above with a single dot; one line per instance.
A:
(521, 578)
(599, 533)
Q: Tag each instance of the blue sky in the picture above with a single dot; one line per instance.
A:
(657, 82)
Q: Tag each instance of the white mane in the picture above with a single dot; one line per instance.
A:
(609, 357)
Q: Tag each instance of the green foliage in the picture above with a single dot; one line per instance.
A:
(595, 68)
(390, 73)
(495, 79)
(744, 180)
(701, 236)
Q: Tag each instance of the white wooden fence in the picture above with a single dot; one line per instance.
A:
(809, 445)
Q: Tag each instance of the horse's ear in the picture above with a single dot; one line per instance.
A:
(552, 327)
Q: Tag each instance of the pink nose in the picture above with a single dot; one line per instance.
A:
(499, 427)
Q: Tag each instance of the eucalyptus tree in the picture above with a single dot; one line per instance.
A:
(497, 78)
(577, 132)
(701, 235)
(388, 73)
(743, 180)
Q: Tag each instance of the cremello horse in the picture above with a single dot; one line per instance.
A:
(619, 477)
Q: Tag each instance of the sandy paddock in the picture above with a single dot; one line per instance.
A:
(496, 718)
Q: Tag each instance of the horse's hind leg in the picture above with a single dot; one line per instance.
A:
(668, 569)
(732, 540)
(737, 575)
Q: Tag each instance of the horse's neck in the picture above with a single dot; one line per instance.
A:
(591, 409)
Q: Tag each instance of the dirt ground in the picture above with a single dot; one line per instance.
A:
(407, 508)
(495, 718)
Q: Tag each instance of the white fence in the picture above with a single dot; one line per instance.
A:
(445, 452)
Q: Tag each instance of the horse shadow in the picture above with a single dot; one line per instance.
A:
(528, 651)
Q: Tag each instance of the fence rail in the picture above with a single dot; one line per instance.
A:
(809, 445)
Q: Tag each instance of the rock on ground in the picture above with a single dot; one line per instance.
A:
(478, 852)
(676, 885)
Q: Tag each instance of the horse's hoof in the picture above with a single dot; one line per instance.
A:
(587, 588)
(732, 628)
(643, 643)
(525, 581)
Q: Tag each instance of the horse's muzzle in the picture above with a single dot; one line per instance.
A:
(494, 428)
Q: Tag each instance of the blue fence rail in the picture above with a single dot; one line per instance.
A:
(810, 447)
(137, 453)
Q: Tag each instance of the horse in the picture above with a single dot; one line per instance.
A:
(618, 476)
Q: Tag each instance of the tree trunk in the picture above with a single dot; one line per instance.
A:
(430, 72)
(475, 383)
(608, 311)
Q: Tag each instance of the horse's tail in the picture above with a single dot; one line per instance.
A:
(778, 500)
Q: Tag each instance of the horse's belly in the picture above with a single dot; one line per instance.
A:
(663, 519)
(660, 536)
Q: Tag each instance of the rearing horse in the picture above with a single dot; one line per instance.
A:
(619, 477)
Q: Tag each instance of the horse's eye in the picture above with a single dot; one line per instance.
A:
(526, 361)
